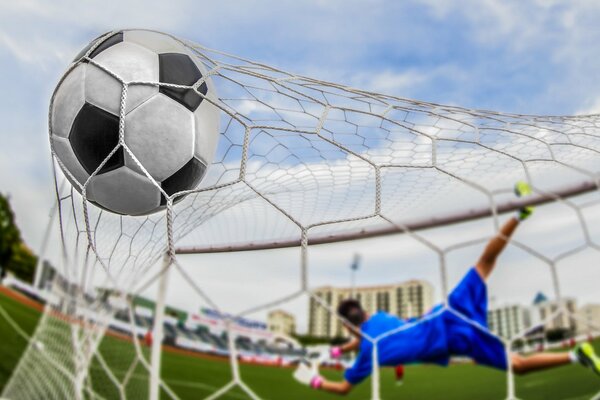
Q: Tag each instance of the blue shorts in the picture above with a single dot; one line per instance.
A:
(469, 298)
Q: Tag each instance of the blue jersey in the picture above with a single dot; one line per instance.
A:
(460, 329)
(417, 340)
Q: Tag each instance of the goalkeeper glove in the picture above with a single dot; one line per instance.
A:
(308, 374)
(335, 352)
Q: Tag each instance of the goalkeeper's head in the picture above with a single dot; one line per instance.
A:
(353, 313)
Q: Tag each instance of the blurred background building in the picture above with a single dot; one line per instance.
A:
(407, 299)
(279, 321)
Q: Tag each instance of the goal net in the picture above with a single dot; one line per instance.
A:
(300, 162)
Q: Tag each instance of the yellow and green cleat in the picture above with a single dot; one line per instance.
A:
(523, 189)
(587, 357)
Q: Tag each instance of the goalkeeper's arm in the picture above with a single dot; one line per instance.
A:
(352, 345)
(340, 387)
(337, 387)
(309, 375)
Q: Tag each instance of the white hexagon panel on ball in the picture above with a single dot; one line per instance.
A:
(171, 132)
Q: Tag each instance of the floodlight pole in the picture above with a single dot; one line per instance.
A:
(353, 269)
(157, 331)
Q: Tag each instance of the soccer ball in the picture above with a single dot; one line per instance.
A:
(171, 132)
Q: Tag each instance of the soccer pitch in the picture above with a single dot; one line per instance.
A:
(193, 377)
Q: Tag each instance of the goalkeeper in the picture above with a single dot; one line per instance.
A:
(442, 332)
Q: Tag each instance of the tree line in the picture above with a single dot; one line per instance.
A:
(15, 255)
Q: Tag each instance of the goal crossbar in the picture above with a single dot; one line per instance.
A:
(390, 229)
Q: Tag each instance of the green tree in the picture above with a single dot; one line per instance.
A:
(307, 340)
(15, 256)
(23, 262)
(9, 233)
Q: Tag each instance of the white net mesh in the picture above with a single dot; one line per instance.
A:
(299, 162)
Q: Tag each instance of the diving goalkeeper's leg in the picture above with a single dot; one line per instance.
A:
(587, 357)
(487, 261)
(583, 354)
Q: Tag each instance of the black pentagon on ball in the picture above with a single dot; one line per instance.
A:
(106, 43)
(94, 134)
(186, 178)
(179, 69)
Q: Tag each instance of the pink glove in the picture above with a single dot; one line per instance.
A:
(335, 352)
(316, 382)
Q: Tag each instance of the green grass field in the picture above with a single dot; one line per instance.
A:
(195, 377)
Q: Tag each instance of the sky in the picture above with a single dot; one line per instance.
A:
(536, 57)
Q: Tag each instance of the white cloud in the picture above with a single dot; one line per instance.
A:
(593, 107)
(492, 21)
(389, 81)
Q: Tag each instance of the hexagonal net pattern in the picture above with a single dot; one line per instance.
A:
(299, 162)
